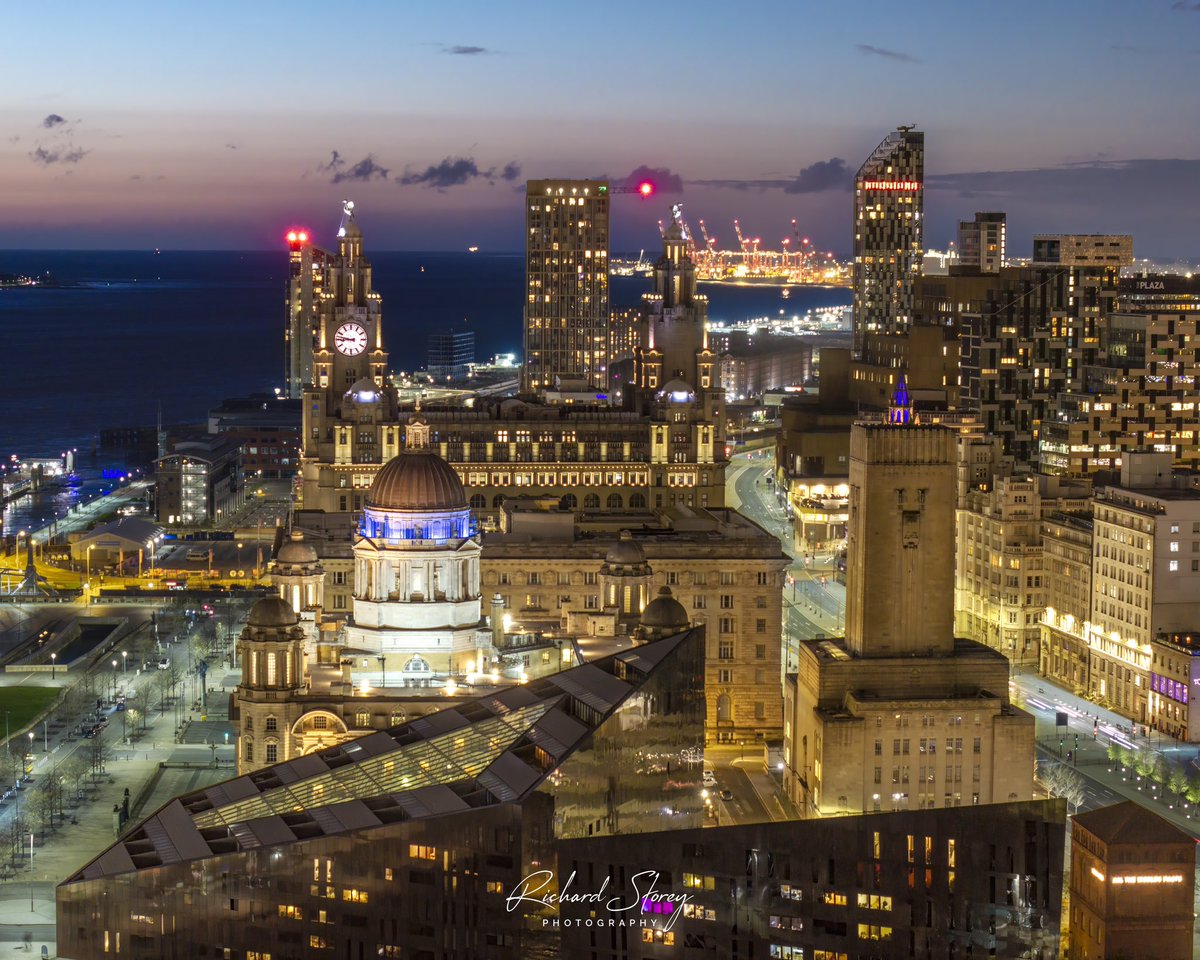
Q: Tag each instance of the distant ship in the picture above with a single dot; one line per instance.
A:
(472, 249)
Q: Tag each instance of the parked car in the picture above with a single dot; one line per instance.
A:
(709, 779)
(164, 664)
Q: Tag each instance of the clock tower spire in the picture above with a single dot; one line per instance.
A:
(349, 400)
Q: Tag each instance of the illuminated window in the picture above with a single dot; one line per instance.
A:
(834, 899)
(495, 886)
(354, 896)
(869, 931)
(665, 937)
(420, 852)
(874, 901)
(289, 912)
(697, 881)
(317, 943)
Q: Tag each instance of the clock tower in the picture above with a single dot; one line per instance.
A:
(349, 343)
(349, 408)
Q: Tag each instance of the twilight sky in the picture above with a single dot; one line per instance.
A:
(215, 125)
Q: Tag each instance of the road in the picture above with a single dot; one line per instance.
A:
(1086, 738)
(814, 602)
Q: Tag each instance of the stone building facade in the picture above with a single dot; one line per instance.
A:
(902, 715)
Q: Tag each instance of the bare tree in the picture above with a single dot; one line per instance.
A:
(75, 771)
(99, 752)
(42, 803)
(1062, 781)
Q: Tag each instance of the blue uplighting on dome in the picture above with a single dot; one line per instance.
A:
(390, 527)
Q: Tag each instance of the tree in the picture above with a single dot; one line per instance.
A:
(1177, 781)
(1062, 781)
(19, 827)
(99, 751)
(42, 803)
(74, 772)
(1144, 763)
(135, 720)
(1193, 789)
(1114, 752)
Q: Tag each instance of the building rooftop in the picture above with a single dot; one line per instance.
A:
(1186, 642)
(495, 748)
(1132, 823)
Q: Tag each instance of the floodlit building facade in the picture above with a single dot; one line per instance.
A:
(900, 714)
(664, 446)
(1124, 642)
(1000, 577)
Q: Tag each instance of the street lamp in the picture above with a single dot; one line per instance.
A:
(87, 584)
(53, 664)
(31, 749)
(114, 681)
(124, 661)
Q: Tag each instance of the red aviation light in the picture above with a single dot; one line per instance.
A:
(292, 236)
(302, 236)
(646, 188)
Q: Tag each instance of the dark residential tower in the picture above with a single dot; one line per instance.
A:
(566, 280)
(889, 193)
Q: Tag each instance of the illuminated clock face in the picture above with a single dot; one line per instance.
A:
(350, 339)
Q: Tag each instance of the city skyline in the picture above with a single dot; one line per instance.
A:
(433, 128)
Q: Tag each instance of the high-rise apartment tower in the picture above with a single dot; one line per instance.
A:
(889, 193)
(566, 281)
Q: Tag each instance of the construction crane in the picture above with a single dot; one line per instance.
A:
(742, 241)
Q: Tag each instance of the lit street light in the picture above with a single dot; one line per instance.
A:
(124, 661)
(114, 681)
(87, 583)
(53, 664)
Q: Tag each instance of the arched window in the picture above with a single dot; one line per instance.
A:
(497, 500)
(417, 664)
(591, 502)
(724, 709)
(272, 751)
(568, 502)
(637, 501)
(615, 502)
(479, 502)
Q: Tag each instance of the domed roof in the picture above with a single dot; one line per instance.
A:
(417, 480)
(626, 551)
(272, 612)
(364, 390)
(296, 551)
(665, 612)
(678, 391)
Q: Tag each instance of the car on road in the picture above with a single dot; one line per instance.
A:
(709, 779)
(164, 664)
(726, 794)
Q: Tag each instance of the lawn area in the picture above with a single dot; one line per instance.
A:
(22, 704)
